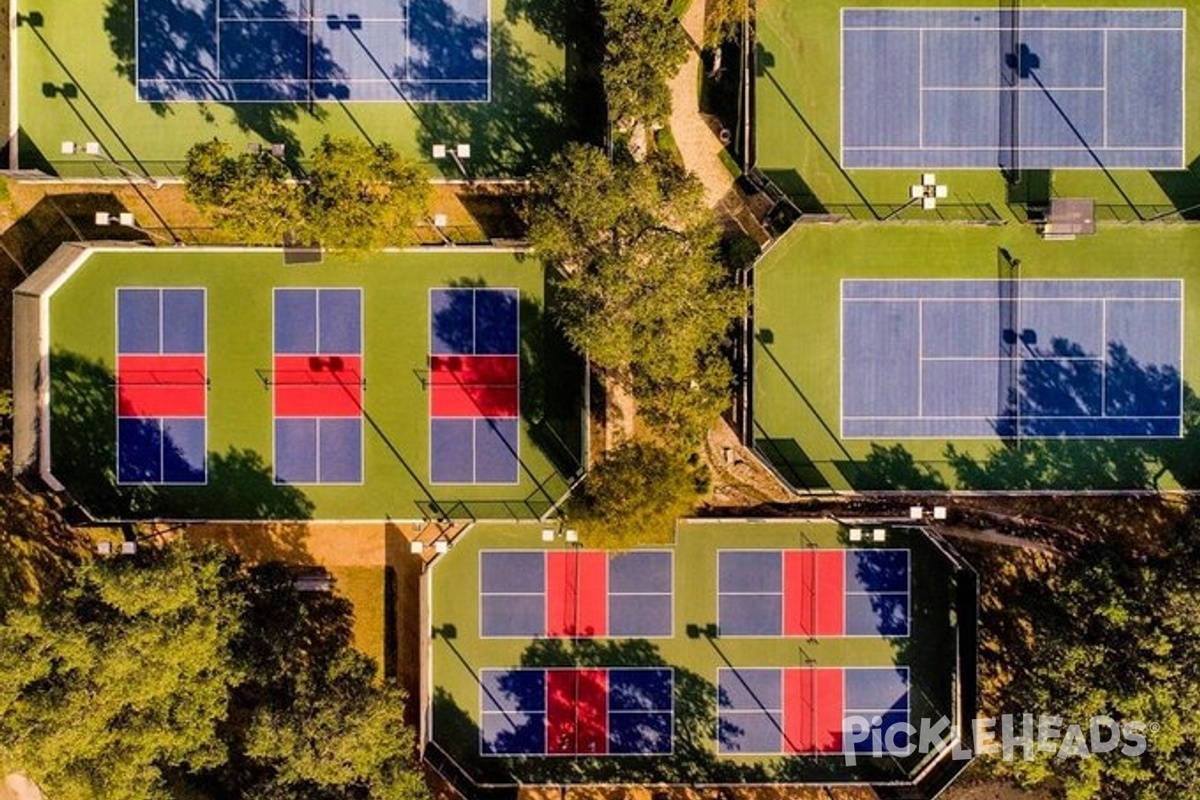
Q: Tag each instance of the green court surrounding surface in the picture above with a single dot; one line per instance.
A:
(798, 136)
(75, 66)
(396, 329)
(695, 650)
(797, 358)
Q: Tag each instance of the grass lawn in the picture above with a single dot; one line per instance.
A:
(798, 135)
(77, 62)
(459, 653)
(797, 358)
(395, 322)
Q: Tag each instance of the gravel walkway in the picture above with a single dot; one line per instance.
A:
(696, 133)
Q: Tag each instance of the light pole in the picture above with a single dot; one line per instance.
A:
(125, 219)
(95, 150)
(458, 153)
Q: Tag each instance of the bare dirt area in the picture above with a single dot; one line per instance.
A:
(992, 790)
(696, 134)
(18, 787)
(739, 478)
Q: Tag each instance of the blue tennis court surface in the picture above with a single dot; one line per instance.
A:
(313, 50)
(1035, 358)
(1034, 88)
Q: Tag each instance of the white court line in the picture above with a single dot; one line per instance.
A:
(1104, 361)
(996, 359)
(217, 24)
(1104, 77)
(985, 300)
(921, 356)
(994, 28)
(921, 88)
(1034, 89)
(992, 149)
(988, 417)
(1183, 102)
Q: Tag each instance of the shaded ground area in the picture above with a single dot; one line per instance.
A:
(371, 566)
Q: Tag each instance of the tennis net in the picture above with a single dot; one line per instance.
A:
(1009, 406)
(1010, 83)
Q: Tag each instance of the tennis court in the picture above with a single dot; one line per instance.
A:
(315, 51)
(1015, 88)
(570, 712)
(1029, 358)
(576, 593)
(804, 710)
(813, 592)
(161, 386)
(474, 385)
(318, 383)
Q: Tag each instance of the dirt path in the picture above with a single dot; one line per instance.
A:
(697, 134)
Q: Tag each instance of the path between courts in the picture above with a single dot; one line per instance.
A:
(698, 143)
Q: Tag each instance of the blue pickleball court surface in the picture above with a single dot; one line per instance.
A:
(1032, 89)
(1033, 358)
(479, 446)
(516, 588)
(313, 50)
(558, 711)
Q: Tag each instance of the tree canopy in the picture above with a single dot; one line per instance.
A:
(644, 48)
(723, 20)
(355, 197)
(635, 495)
(640, 289)
(180, 673)
(1112, 630)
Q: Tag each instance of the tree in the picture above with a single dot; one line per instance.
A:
(314, 719)
(356, 197)
(252, 196)
(361, 197)
(635, 495)
(723, 21)
(644, 46)
(180, 673)
(121, 680)
(640, 290)
(1114, 630)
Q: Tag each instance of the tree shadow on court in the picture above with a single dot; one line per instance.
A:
(764, 61)
(790, 460)
(240, 484)
(1063, 383)
(577, 27)
(895, 468)
(521, 124)
(693, 759)
(186, 50)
